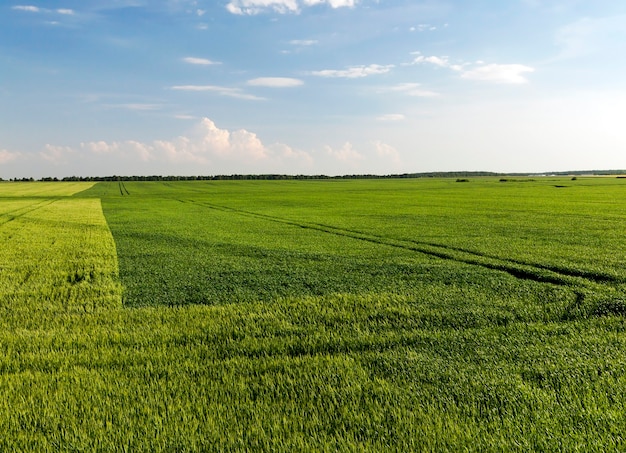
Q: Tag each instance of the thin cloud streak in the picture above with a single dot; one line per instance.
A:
(354, 72)
(29, 8)
(253, 7)
(236, 93)
(200, 61)
(275, 82)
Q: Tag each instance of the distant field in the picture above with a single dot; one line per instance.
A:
(358, 315)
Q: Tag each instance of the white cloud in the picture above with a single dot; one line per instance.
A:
(36, 9)
(354, 72)
(413, 89)
(29, 8)
(424, 27)
(252, 7)
(332, 3)
(442, 62)
(200, 61)
(206, 144)
(136, 106)
(7, 156)
(56, 154)
(303, 42)
(391, 117)
(346, 153)
(499, 73)
(275, 82)
(387, 152)
(288, 154)
(223, 91)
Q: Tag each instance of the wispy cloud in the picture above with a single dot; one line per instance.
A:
(591, 36)
(354, 72)
(8, 156)
(499, 73)
(36, 9)
(136, 106)
(303, 42)
(200, 61)
(391, 117)
(223, 91)
(442, 61)
(252, 7)
(413, 89)
(57, 154)
(423, 27)
(275, 82)
(29, 8)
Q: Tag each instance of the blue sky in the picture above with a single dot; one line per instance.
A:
(187, 87)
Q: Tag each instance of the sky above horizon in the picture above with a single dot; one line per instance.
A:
(199, 87)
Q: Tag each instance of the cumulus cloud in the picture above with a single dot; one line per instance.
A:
(346, 153)
(275, 82)
(499, 73)
(200, 61)
(223, 91)
(252, 7)
(205, 145)
(387, 152)
(354, 72)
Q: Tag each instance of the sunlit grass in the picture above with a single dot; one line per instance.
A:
(336, 316)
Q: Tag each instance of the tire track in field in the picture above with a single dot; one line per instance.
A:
(17, 213)
(518, 269)
(581, 273)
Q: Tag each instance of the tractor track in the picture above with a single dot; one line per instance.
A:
(9, 216)
(523, 270)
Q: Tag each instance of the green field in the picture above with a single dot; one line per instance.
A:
(334, 315)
